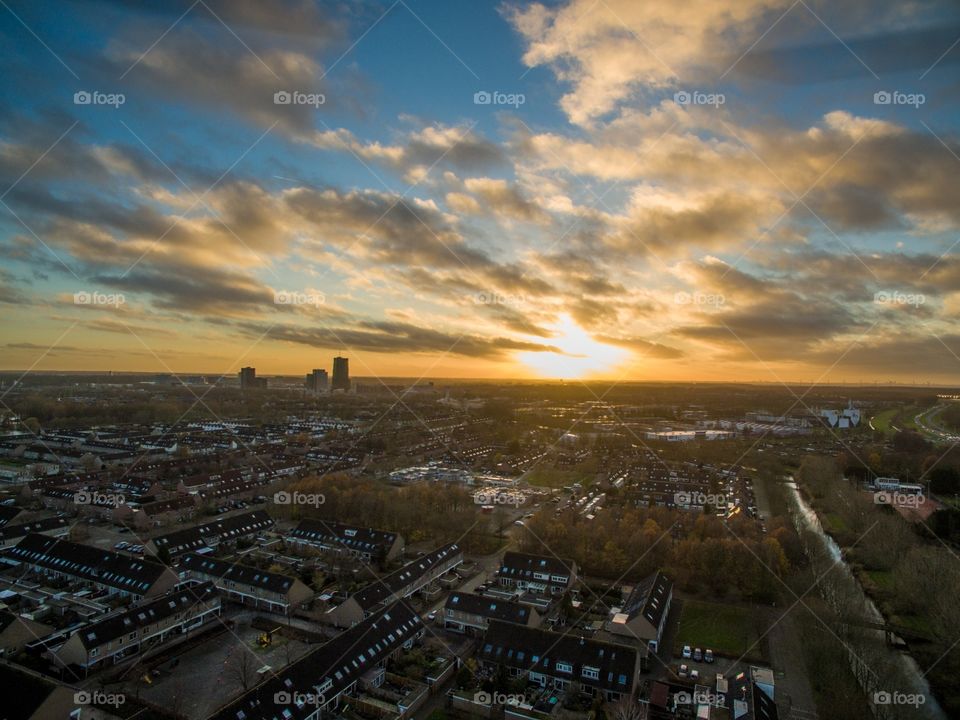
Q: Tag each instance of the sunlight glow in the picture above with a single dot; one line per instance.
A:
(582, 355)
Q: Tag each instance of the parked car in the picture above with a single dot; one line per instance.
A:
(687, 652)
(698, 654)
(708, 655)
(432, 615)
(694, 674)
(684, 671)
(121, 545)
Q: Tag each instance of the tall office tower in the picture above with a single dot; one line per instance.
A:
(341, 374)
(321, 380)
(317, 381)
(248, 378)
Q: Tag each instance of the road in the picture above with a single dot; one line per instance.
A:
(927, 422)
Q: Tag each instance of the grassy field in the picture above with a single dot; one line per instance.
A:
(906, 420)
(725, 629)
(882, 421)
(555, 478)
(834, 523)
(882, 579)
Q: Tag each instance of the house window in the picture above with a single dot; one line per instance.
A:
(564, 667)
(590, 672)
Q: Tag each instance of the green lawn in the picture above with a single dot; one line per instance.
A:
(881, 421)
(725, 629)
(834, 523)
(906, 420)
(555, 478)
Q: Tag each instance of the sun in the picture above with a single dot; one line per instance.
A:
(581, 355)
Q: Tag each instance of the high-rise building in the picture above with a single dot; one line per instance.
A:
(341, 374)
(248, 377)
(317, 381)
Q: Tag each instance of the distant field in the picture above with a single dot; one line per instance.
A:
(834, 523)
(554, 478)
(725, 629)
(882, 579)
(882, 421)
(906, 420)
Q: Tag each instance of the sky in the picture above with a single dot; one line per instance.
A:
(707, 190)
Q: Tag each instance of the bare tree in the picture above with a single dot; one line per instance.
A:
(240, 665)
(627, 708)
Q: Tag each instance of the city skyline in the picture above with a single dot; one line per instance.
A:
(625, 191)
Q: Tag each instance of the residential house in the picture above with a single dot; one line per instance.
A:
(644, 614)
(550, 659)
(316, 685)
(211, 534)
(471, 614)
(537, 573)
(57, 527)
(402, 583)
(116, 573)
(367, 544)
(144, 627)
(247, 585)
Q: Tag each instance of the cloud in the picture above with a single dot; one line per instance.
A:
(393, 336)
(610, 51)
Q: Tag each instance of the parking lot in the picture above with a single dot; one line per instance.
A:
(209, 676)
